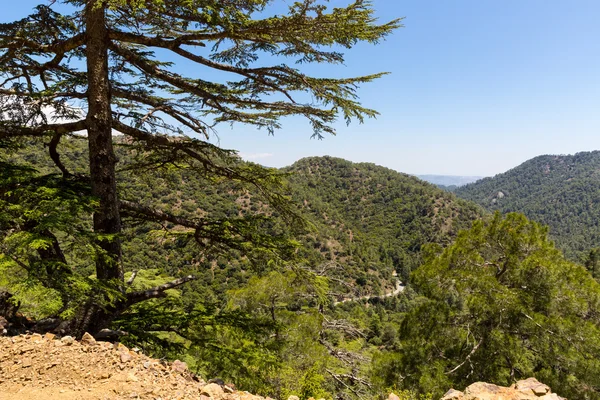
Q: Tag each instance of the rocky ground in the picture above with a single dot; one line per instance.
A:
(528, 389)
(36, 367)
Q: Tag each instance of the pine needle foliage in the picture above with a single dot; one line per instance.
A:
(103, 67)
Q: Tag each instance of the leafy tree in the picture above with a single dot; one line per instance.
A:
(501, 304)
(107, 66)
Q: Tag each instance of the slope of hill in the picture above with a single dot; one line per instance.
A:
(367, 224)
(562, 191)
(374, 217)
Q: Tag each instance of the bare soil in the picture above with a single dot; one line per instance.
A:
(36, 367)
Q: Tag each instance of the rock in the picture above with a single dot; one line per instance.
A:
(293, 398)
(131, 378)
(228, 389)
(88, 339)
(393, 396)
(528, 389)
(179, 366)
(67, 340)
(50, 336)
(125, 357)
(453, 395)
(212, 390)
(3, 326)
(551, 396)
(121, 347)
(218, 381)
(532, 385)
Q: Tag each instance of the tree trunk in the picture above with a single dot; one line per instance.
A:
(107, 220)
(98, 312)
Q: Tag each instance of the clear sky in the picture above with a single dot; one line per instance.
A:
(477, 87)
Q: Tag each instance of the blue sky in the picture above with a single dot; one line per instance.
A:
(477, 87)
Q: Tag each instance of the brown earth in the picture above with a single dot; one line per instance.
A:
(36, 367)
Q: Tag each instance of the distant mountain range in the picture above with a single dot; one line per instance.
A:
(562, 191)
(449, 180)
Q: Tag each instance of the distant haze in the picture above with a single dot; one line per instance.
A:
(449, 180)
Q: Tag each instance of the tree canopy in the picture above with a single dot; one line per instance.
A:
(500, 304)
(108, 67)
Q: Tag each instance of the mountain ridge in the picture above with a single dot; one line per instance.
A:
(561, 191)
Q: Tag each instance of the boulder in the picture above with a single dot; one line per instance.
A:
(180, 366)
(213, 390)
(67, 340)
(453, 395)
(527, 389)
(88, 339)
(532, 386)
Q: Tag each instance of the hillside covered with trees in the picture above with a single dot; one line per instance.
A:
(363, 225)
(121, 218)
(560, 191)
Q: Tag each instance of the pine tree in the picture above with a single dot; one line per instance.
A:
(106, 67)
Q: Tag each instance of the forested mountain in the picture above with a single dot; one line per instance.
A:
(254, 316)
(377, 216)
(562, 191)
(495, 302)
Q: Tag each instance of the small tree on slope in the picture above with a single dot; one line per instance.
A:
(106, 66)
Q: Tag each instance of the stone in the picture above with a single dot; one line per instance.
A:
(551, 396)
(393, 396)
(212, 390)
(50, 336)
(528, 389)
(179, 366)
(131, 378)
(3, 326)
(67, 340)
(453, 395)
(293, 398)
(228, 389)
(125, 357)
(88, 339)
(532, 385)
(121, 347)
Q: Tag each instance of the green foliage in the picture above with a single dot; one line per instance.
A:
(558, 191)
(500, 304)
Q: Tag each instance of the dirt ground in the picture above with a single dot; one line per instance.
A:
(36, 367)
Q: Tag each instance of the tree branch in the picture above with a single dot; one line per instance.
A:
(158, 215)
(158, 291)
(7, 131)
(256, 74)
(52, 149)
(186, 119)
(337, 378)
(58, 48)
(467, 358)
